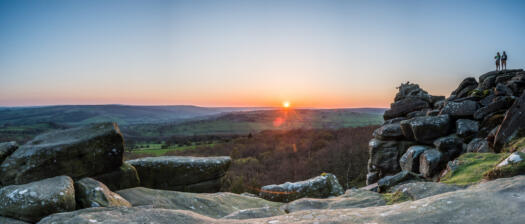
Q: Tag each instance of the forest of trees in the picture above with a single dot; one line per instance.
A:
(274, 157)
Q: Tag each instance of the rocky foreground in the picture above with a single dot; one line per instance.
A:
(459, 159)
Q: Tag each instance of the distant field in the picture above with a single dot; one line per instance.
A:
(256, 121)
(157, 150)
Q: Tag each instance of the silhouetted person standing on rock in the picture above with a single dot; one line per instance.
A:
(504, 61)
(498, 58)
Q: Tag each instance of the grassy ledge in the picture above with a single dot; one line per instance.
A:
(471, 167)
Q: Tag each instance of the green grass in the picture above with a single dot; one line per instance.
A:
(515, 145)
(471, 166)
(506, 171)
(157, 150)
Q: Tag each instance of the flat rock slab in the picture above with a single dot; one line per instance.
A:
(353, 198)
(33, 201)
(78, 152)
(182, 173)
(322, 186)
(214, 205)
(5, 220)
(119, 215)
(419, 190)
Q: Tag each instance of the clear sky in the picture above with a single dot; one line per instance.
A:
(248, 53)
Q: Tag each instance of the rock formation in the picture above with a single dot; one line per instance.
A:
(422, 132)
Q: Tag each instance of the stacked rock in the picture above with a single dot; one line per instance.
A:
(421, 132)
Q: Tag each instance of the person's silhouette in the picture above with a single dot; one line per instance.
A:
(498, 58)
(504, 61)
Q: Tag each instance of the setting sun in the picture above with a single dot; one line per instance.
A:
(286, 104)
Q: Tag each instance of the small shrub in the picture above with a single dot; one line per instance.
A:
(396, 197)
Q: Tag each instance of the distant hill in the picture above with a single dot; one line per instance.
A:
(122, 114)
(22, 123)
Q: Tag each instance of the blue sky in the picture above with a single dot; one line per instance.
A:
(248, 53)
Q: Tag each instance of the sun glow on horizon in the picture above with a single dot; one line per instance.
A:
(286, 104)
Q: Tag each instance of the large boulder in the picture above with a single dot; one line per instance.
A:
(389, 132)
(412, 90)
(430, 163)
(451, 146)
(91, 193)
(33, 201)
(426, 129)
(78, 152)
(182, 173)
(466, 128)
(384, 158)
(410, 160)
(478, 145)
(465, 87)
(403, 107)
(513, 123)
(125, 176)
(463, 109)
(322, 186)
(6, 148)
(497, 105)
(215, 205)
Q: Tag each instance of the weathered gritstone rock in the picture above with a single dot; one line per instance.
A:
(410, 160)
(5, 220)
(427, 129)
(412, 90)
(478, 145)
(353, 198)
(214, 205)
(322, 186)
(419, 190)
(389, 132)
(119, 215)
(384, 157)
(463, 109)
(430, 162)
(33, 201)
(91, 193)
(502, 90)
(466, 128)
(253, 213)
(451, 146)
(6, 148)
(182, 173)
(78, 152)
(513, 123)
(465, 87)
(403, 107)
(497, 105)
(125, 176)
(489, 202)
(389, 181)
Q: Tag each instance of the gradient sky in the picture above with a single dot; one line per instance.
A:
(248, 53)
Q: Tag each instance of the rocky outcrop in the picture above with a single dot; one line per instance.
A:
(490, 202)
(33, 201)
(91, 193)
(6, 148)
(318, 187)
(389, 181)
(216, 205)
(180, 173)
(125, 176)
(479, 116)
(78, 152)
